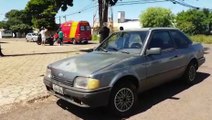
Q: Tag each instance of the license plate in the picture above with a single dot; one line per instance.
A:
(57, 89)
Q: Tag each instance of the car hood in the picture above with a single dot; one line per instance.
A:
(87, 64)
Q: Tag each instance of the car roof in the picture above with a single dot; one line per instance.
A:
(150, 29)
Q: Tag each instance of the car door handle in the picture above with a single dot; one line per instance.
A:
(174, 57)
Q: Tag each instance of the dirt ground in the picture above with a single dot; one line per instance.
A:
(172, 101)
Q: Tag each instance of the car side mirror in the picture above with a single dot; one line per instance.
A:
(153, 51)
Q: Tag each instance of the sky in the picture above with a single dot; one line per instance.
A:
(89, 8)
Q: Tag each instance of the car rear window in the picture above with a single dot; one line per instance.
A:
(82, 28)
(88, 28)
(180, 39)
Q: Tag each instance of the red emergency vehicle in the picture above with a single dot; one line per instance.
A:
(76, 31)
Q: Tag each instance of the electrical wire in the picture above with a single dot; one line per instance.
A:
(139, 2)
(87, 7)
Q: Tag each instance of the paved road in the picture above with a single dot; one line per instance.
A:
(23, 67)
(172, 101)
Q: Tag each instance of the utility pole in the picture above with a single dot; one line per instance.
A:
(100, 13)
(111, 10)
(103, 11)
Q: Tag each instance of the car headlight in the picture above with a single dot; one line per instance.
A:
(48, 73)
(86, 83)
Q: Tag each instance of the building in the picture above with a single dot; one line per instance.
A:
(6, 33)
(127, 24)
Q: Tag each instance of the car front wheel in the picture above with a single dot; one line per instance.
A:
(123, 99)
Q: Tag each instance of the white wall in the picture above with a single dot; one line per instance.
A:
(7, 33)
(130, 25)
(0, 35)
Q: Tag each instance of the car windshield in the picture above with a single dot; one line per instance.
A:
(125, 42)
(34, 34)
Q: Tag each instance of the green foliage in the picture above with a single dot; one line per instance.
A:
(63, 4)
(207, 39)
(44, 11)
(3, 24)
(194, 21)
(156, 17)
(21, 27)
(17, 21)
(95, 37)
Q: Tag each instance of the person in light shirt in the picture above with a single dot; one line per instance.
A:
(43, 35)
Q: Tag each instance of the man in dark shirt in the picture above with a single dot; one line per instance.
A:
(104, 32)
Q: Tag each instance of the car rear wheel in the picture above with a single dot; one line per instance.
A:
(123, 99)
(190, 73)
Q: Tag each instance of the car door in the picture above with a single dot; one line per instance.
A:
(182, 47)
(161, 67)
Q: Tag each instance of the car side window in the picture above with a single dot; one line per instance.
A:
(162, 40)
(180, 39)
(135, 41)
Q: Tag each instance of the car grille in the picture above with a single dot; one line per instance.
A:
(62, 80)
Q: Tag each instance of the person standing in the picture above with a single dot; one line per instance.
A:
(43, 35)
(60, 33)
(104, 32)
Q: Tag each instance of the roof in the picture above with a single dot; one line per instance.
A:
(153, 28)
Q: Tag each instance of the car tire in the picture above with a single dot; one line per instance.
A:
(123, 99)
(190, 73)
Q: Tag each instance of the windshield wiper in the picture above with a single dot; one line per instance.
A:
(124, 51)
(114, 49)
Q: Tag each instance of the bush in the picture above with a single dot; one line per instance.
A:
(95, 37)
(207, 39)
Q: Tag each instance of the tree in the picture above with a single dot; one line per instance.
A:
(44, 11)
(193, 21)
(156, 17)
(199, 21)
(18, 21)
(4, 25)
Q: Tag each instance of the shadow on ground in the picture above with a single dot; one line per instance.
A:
(206, 50)
(31, 54)
(3, 42)
(145, 102)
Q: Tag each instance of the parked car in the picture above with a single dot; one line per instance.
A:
(123, 65)
(76, 32)
(31, 37)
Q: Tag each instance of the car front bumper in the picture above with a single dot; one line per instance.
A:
(88, 99)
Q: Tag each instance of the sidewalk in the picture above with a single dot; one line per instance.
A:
(23, 68)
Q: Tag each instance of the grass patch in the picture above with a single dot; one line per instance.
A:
(207, 39)
(95, 37)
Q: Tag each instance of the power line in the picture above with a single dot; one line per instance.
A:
(87, 7)
(139, 2)
(186, 4)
